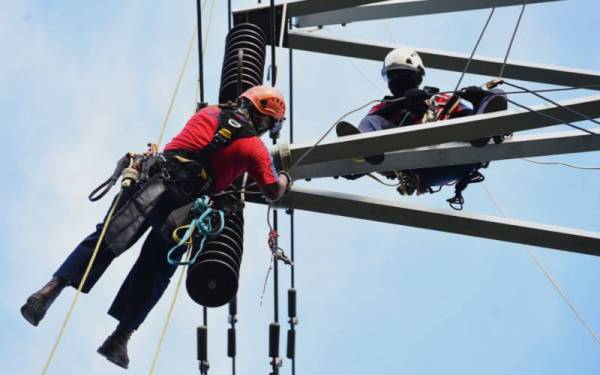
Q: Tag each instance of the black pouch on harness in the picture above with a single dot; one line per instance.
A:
(129, 222)
(176, 218)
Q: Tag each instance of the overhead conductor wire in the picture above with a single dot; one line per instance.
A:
(532, 253)
(548, 275)
(274, 326)
(292, 332)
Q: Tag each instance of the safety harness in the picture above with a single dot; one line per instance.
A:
(421, 181)
(146, 177)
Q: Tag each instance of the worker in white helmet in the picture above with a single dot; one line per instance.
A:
(403, 69)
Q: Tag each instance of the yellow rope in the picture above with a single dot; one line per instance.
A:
(82, 283)
(169, 314)
(187, 256)
(109, 218)
(172, 101)
(210, 17)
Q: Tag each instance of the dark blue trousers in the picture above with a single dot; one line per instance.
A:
(146, 281)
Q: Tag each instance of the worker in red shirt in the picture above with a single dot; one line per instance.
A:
(216, 146)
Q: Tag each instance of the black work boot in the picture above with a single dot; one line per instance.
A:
(492, 103)
(38, 303)
(114, 347)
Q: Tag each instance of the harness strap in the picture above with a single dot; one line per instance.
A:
(457, 202)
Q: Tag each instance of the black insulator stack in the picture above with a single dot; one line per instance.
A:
(202, 344)
(231, 344)
(213, 279)
(292, 303)
(274, 340)
(291, 343)
(291, 334)
(244, 61)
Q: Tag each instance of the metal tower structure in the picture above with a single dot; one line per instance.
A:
(437, 144)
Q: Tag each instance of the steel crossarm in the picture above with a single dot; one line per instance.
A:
(444, 60)
(458, 153)
(455, 130)
(305, 7)
(400, 8)
(482, 226)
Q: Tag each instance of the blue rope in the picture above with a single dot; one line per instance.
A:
(203, 222)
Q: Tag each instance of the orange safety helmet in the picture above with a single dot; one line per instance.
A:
(267, 100)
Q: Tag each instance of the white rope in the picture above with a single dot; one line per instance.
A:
(548, 275)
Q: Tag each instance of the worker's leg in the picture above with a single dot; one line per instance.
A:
(141, 290)
(74, 266)
(145, 283)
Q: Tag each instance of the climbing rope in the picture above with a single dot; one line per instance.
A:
(476, 47)
(108, 220)
(163, 332)
(547, 273)
(199, 93)
(82, 283)
(512, 39)
(176, 90)
(203, 221)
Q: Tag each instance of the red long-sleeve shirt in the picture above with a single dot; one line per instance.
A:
(248, 154)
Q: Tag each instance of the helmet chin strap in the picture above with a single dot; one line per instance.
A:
(261, 123)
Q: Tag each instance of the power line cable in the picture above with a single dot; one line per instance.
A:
(476, 47)
(551, 117)
(547, 273)
(512, 39)
(584, 116)
(568, 165)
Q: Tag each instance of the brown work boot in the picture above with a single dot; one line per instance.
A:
(38, 303)
(114, 347)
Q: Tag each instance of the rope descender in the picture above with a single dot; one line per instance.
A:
(277, 251)
(201, 226)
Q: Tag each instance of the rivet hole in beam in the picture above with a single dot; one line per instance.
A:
(455, 130)
(401, 8)
(456, 154)
(443, 60)
(482, 226)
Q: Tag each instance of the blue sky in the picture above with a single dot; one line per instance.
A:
(85, 83)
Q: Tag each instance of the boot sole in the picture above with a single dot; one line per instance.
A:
(30, 312)
(113, 358)
(496, 104)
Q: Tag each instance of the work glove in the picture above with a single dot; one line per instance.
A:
(289, 180)
(473, 94)
(412, 101)
(415, 100)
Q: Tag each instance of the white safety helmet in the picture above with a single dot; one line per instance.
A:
(402, 58)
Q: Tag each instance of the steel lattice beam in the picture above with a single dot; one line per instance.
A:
(458, 153)
(305, 7)
(482, 226)
(455, 130)
(446, 60)
(401, 8)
